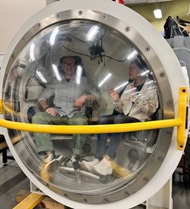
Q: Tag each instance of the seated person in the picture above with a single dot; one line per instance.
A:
(137, 103)
(69, 97)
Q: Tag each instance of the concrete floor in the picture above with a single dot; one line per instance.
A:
(12, 180)
(181, 194)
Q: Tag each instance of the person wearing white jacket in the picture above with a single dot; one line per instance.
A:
(138, 102)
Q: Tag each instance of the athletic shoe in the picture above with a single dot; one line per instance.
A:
(54, 163)
(104, 167)
(89, 165)
(68, 162)
(50, 155)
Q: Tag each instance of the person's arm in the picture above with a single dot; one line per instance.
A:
(117, 102)
(118, 106)
(46, 94)
(43, 104)
(51, 110)
(81, 100)
(149, 101)
(150, 105)
(92, 93)
(114, 95)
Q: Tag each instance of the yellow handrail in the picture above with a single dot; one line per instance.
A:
(182, 114)
(83, 129)
(1, 106)
(180, 122)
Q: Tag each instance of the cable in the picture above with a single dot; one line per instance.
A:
(91, 56)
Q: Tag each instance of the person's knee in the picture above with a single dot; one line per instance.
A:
(103, 121)
(37, 117)
(81, 121)
(119, 119)
(84, 122)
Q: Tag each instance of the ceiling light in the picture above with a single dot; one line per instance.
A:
(157, 13)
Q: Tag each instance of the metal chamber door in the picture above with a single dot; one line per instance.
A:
(103, 37)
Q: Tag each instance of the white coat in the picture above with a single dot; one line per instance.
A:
(138, 104)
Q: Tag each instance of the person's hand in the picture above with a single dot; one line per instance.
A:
(80, 101)
(143, 106)
(51, 111)
(114, 94)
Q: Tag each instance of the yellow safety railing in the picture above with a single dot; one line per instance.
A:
(180, 122)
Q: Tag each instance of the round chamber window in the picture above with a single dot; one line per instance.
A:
(102, 60)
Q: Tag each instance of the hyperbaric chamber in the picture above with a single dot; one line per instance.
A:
(103, 38)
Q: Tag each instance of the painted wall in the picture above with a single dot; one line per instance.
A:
(172, 8)
(13, 14)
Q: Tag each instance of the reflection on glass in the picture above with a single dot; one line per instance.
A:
(121, 86)
(104, 79)
(132, 55)
(41, 77)
(94, 49)
(53, 36)
(32, 47)
(92, 33)
(56, 72)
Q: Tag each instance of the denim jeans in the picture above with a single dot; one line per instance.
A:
(115, 138)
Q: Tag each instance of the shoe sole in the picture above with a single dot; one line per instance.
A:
(53, 165)
(87, 167)
(101, 173)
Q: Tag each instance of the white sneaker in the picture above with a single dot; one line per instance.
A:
(89, 165)
(150, 149)
(104, 167)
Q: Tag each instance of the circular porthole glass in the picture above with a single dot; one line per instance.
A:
(102, 54)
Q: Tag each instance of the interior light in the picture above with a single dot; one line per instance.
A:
(56, 72)
(32, 47)
(145, 72)
(122, 85)
(105, 79)
(132, 55)
(78, 74)
(149, 82)
(157, 13)
(41, 77)
(129, 90)
(92, 33)
(53, 36)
